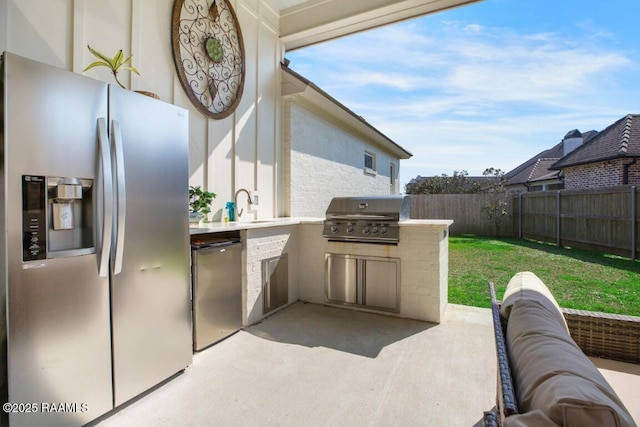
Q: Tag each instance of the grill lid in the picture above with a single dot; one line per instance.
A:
(380, 208)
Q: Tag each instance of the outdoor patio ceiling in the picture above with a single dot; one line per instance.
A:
(306, 22)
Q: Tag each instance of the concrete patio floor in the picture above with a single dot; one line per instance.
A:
(313, 365)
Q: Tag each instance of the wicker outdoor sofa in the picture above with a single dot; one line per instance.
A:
(602, 335)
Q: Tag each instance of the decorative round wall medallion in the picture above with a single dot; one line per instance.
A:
(209, 54)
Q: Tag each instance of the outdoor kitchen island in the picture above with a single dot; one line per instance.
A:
(422, 251)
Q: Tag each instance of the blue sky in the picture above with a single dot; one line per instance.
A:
(486, 85)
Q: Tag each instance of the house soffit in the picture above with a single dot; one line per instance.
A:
(306, 22)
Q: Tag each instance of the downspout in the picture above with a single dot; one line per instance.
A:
(625, 172)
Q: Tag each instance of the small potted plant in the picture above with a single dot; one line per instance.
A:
(199, 203)
(115, 64)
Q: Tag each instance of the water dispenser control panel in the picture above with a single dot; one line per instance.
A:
(34, 218)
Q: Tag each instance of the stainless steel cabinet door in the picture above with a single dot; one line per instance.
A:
(341, 278)
(362, 280)
(275, 283)
(151, 305)
(381, 277)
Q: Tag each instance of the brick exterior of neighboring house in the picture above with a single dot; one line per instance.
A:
(601, 174)
(608, 159)
(590, 160)
(535, 174)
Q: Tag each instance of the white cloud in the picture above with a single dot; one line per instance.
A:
(465, 96)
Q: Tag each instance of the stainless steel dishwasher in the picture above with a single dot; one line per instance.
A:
(217, 290)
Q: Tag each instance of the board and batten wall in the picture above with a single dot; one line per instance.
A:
(240, 151)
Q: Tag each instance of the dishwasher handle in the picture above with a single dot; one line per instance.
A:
(211, 246)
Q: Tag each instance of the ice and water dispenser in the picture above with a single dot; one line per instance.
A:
(57, 217)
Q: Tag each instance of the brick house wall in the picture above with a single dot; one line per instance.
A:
(323, 159)
(601, 174)
(634, 174)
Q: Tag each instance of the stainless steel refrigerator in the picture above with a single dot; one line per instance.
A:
(94, 247)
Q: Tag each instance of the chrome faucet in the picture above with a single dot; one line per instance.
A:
(235, 199)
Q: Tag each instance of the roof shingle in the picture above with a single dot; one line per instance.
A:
(621, 139)
(522, 174)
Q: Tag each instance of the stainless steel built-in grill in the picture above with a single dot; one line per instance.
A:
(366, 219)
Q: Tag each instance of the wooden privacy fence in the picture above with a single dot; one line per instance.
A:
(599, 219)
(466, 210)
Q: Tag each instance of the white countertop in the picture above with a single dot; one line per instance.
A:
(216, 227)
(434, 222)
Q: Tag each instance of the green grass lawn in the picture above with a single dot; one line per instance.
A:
(578, 279)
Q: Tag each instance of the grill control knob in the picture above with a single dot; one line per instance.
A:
(334, 229)
(366, 230)
(374, 230)
(350, 229)
(383, 231)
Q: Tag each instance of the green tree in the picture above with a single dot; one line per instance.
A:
(458, 183)
(497, 204)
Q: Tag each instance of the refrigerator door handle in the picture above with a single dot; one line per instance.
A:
(107, 189)
(121, 194)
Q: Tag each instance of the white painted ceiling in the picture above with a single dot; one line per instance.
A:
(279, 5)
(306, 22)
